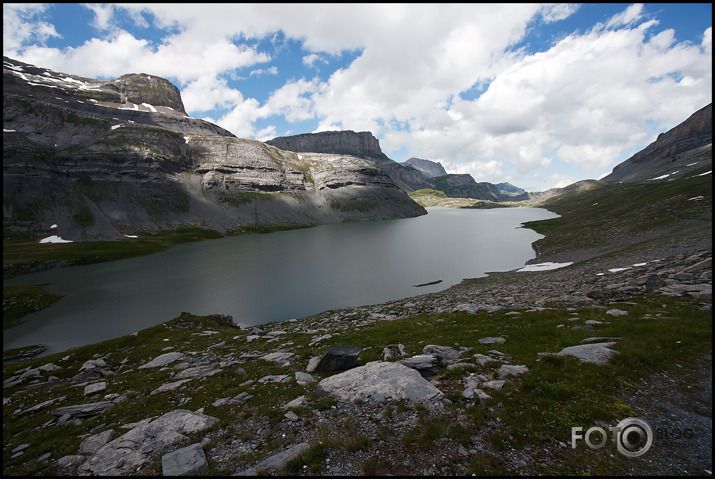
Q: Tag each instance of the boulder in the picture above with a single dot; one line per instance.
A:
(442, 352)
(596, 353)
(426, 364)
(336, 358)
(380, 381)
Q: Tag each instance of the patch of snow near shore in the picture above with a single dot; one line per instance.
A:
(54, 239)
(544, 266)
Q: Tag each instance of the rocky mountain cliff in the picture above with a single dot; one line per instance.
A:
(411, 175)
(673, 153)
(430, 169)
(104, 159)
(360, 144)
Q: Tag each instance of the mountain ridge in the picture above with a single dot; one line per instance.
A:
(100, 161)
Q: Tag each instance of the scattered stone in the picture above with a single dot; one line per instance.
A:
(304, 378)
(187, 461)
(509, 370)
(291, 416)
(83, 410)
(93, 443)
(197, 372)
(616, 312)
(492, 340)
(93, 363)
(482, 359)
(95, 388)
(426, 364)
(49, 367)
(441, 352)
(297, 402)
(275, 378)
(336, 358)
(276, 461)
(494, 384)
(278, 357)
(163, 360)
(596, 353)
(168, 387)
(240, 398)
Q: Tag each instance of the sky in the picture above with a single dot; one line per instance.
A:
(537, 95)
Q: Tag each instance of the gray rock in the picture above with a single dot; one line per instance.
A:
(616, 312)
(275, 378)
(443, 353)
(494, 384)
(161, 361)
(492, 340)
(278, 357)
(93, 443)
(426, 364)
(596, 353)
(240, 398)
(93, 363)
(197, 372)
(83, 410)
(379, 381)
(187, 461)
(169, 387)
(127, 453)
(276, 461)
(336, 358)
(482, 359)
(95, 388)
(304, 378)
(509, 370)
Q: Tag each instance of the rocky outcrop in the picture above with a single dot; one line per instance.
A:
(102, 160)
(360, 144)
(674, 153)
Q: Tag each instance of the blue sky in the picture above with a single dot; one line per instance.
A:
(539, 95)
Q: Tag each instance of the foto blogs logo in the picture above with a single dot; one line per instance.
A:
(632, 436)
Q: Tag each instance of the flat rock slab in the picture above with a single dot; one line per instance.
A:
(161, 361)
(187, 461)
(443, 353)
(380, 381)
(276, 461)
(83, 410)
(596, 353)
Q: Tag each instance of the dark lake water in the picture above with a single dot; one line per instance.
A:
(279, 276)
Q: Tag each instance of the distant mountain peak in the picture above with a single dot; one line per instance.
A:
(431, 169)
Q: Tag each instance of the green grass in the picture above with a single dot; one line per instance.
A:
(18, 301)
(608, 212)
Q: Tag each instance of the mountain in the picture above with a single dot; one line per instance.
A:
(673, 153)
(359, 144)
(430, 169)
(105, 159)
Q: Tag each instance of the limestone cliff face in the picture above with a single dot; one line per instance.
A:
(104, 168)
(360, 144)
(430, 169)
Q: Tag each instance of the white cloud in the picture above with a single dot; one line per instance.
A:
(22, 23)
(626, 17)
